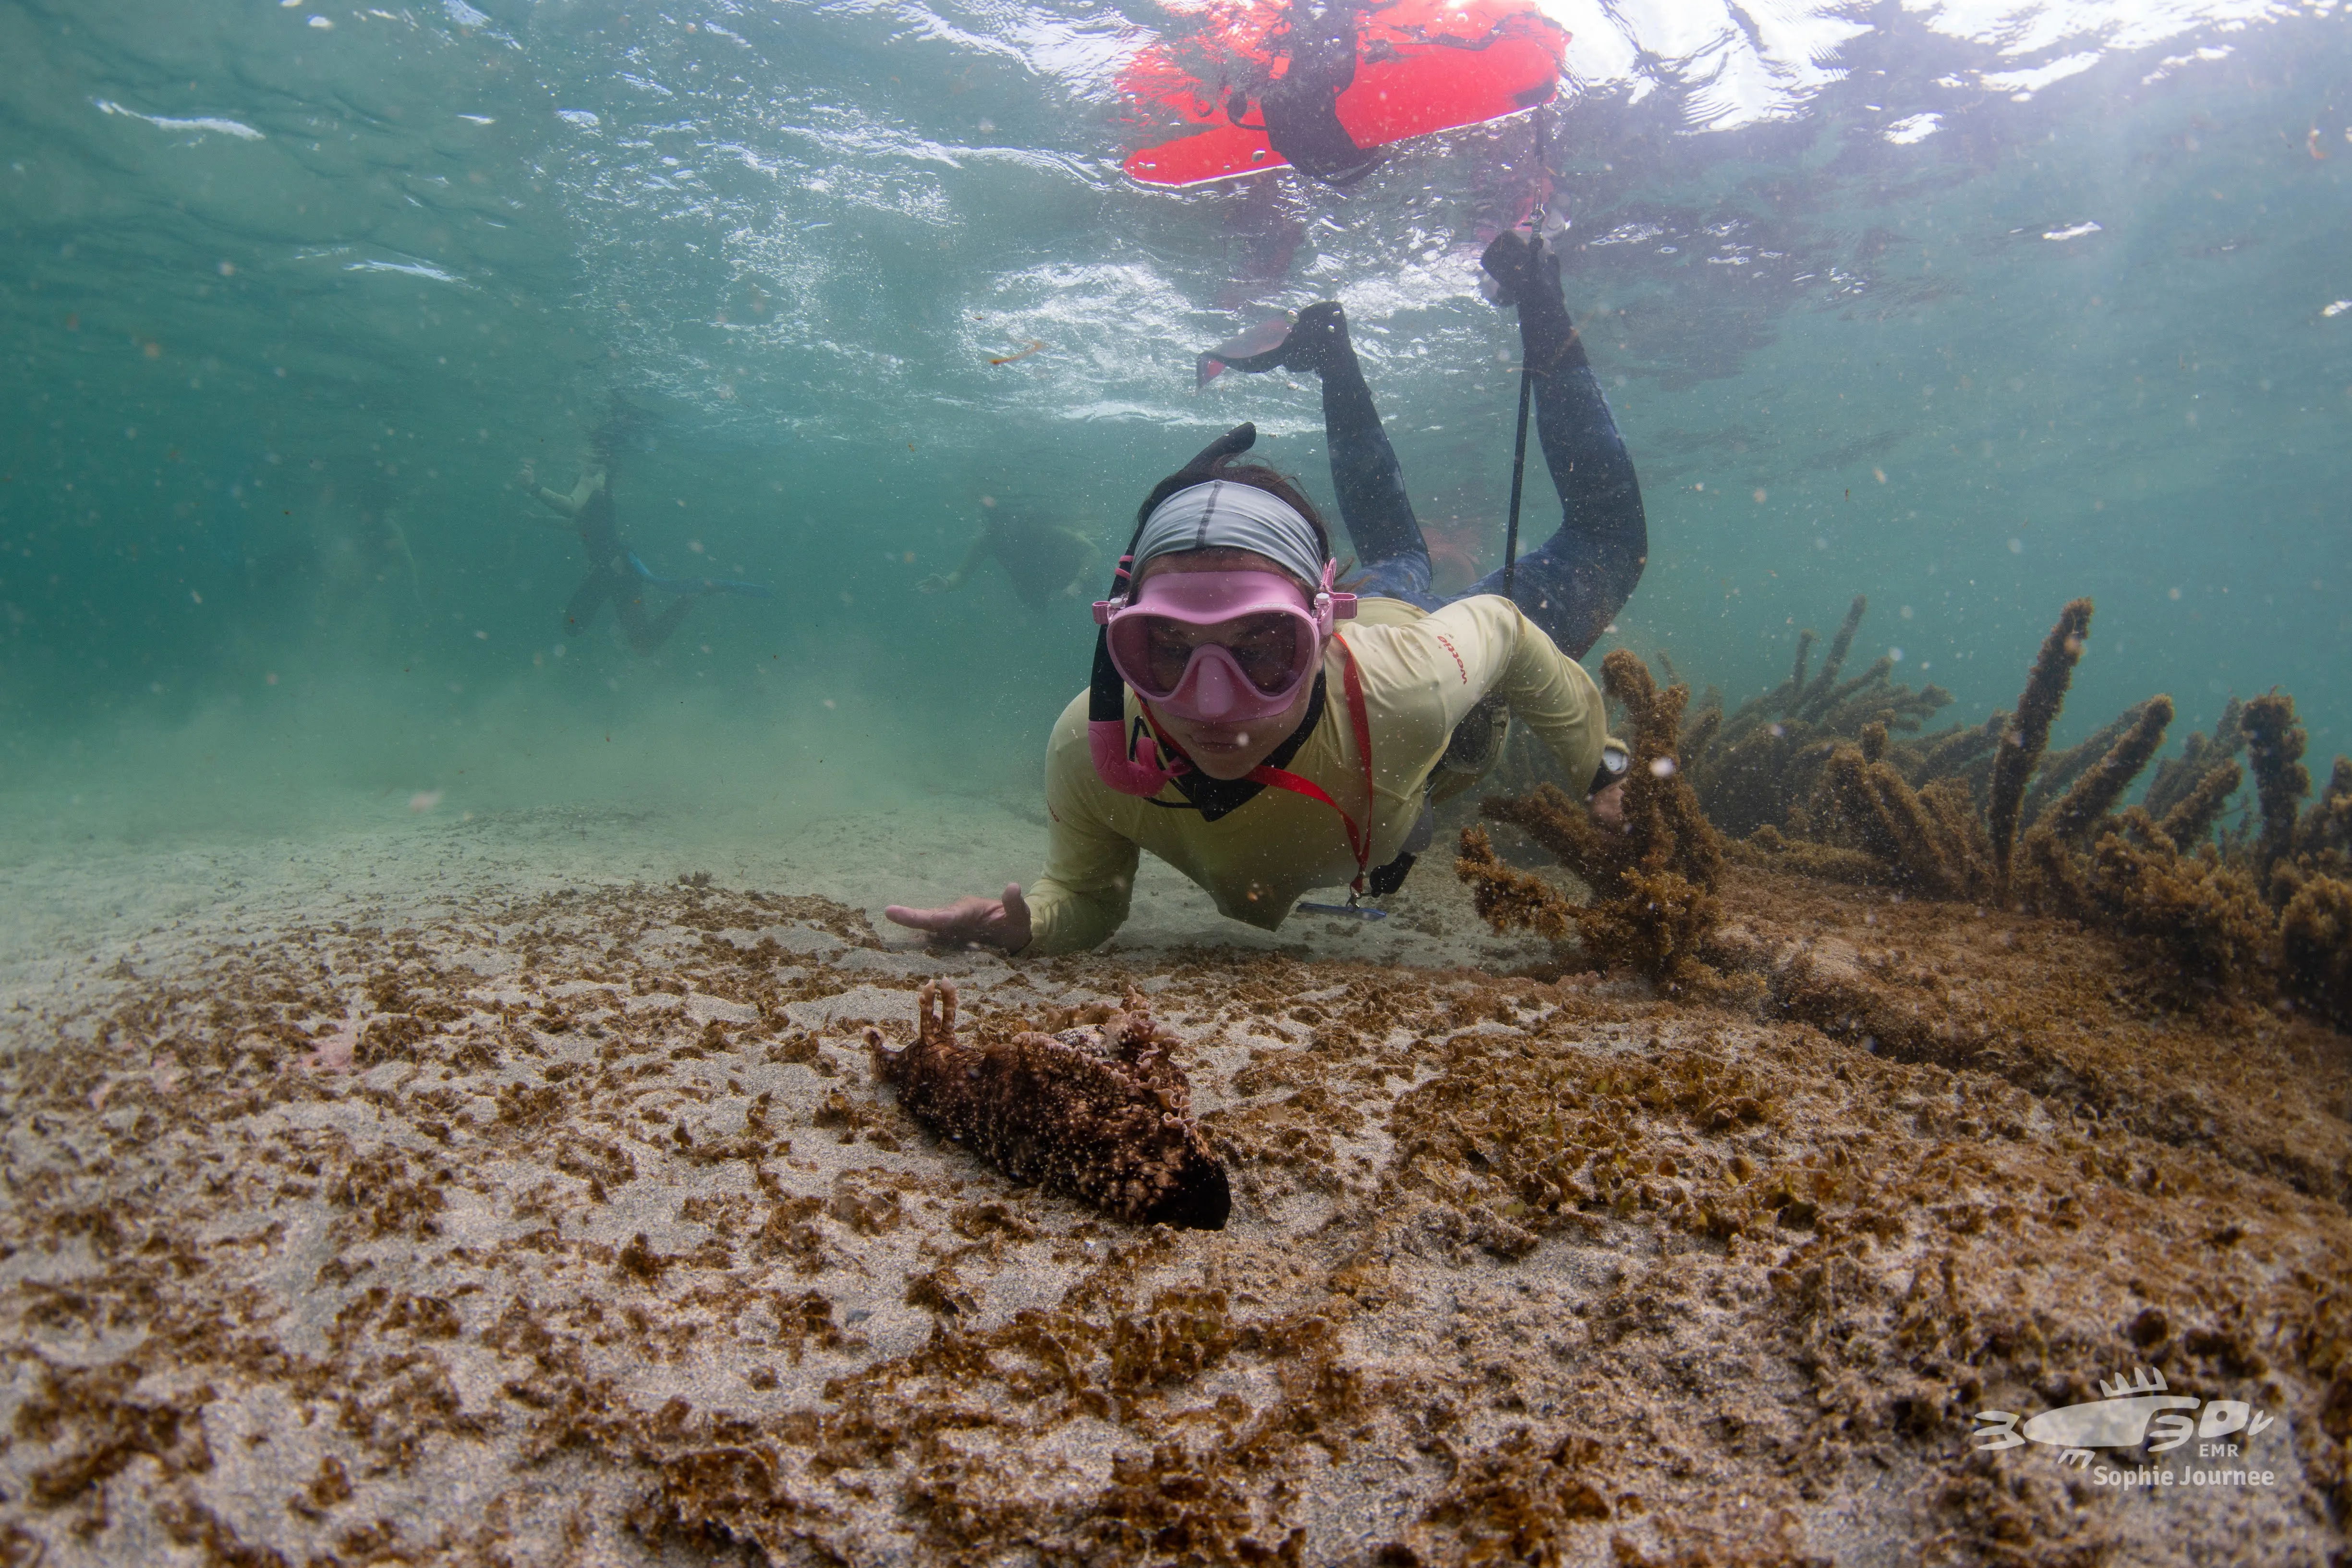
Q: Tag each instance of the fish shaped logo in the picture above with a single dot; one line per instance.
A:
(2126, 1415)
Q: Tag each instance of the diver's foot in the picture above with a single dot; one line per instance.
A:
(1521, 269)
(1318, 338)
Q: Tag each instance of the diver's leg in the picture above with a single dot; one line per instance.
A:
(1574, 584)
(1364, 468)
(586, 600)
(646, 634)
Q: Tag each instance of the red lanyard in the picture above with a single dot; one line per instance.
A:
(1360, 839)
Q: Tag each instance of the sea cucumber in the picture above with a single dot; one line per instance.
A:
(1103, 1114)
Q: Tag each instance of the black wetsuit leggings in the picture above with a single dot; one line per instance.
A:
(1574, 585)
(626, 592)
(613, 577)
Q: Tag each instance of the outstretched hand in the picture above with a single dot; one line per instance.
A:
(994, 923)
(1607, 808)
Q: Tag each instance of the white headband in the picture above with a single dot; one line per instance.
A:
(1225, 514)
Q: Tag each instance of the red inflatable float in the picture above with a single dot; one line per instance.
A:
(1268, 78)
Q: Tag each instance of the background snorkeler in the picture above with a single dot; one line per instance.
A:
(1042, 561)
(615, 571)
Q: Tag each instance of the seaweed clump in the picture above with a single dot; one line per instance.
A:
(1989, 814)
(1761, 765)
(1836, 777)
(1652, 881)
(1104, 1116)
(2304, 859)
(1928, 839)
(2268, 909)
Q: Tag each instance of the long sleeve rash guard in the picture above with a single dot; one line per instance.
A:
(1422, 673)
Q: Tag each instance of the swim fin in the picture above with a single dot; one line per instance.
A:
(1259, 347)
(699, 585)
(1306, 343)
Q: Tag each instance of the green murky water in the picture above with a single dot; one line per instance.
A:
(1968, 310)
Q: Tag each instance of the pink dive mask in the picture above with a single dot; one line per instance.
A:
(1221, 647)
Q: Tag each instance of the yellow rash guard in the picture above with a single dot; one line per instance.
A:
(1422, 672)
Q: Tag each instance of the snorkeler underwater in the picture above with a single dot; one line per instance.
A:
(1295, 782)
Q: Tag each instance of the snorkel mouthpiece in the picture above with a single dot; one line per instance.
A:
(1141, 775)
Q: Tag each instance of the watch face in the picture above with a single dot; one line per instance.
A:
(1614, 760)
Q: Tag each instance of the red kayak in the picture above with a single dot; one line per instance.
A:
(1420, 66)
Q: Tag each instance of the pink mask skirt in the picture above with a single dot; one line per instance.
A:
(1219, 646)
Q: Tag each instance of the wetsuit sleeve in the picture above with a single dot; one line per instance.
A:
(1090, 866)
(1505, 654)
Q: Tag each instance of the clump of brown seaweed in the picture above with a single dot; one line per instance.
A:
(1652, 882)
(1832, 778)
(1103, 1114)
(1755, 767)
(1814, 778)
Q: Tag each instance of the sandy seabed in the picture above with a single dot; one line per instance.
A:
(477, 1193)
